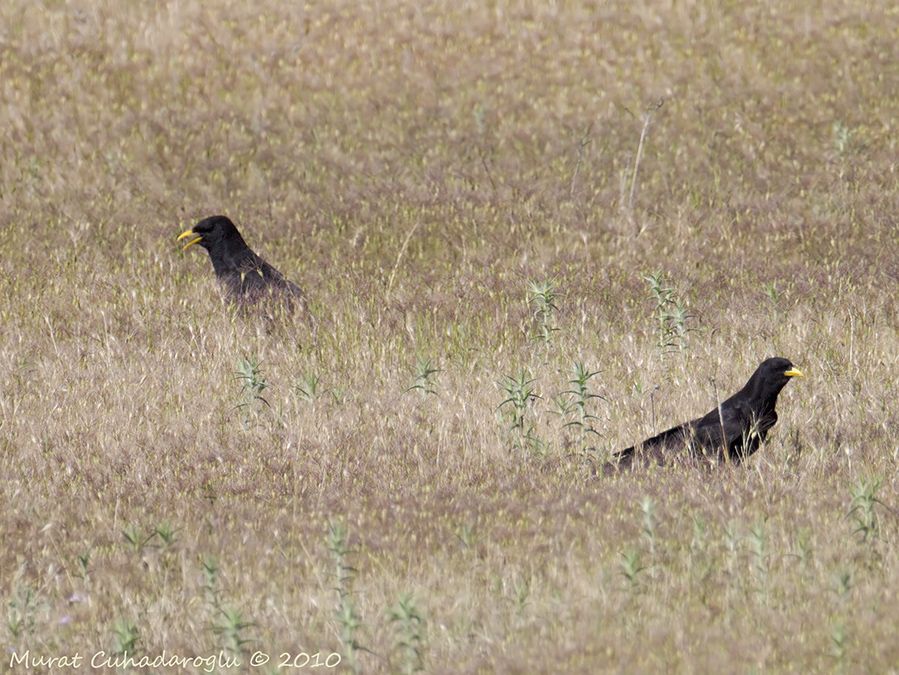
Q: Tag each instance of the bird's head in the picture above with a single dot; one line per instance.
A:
(210, 232)
(772, 375)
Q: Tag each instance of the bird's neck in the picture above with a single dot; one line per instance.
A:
(234, 255)
(765, 397)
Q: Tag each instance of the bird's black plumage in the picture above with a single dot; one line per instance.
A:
(744, 422)
(244, 276)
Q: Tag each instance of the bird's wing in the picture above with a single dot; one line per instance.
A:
(259, 281)
(741, 428)
(696, 436)
(268, 272)
(713, 431)
(253, 275)
(669, 438)
(655, 447)
(278, 280)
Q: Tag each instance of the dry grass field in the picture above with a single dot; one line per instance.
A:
(462, 190)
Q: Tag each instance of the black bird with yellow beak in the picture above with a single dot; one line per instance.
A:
(245, 277)
(743, 424)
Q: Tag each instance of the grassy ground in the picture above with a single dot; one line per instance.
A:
(416, 167)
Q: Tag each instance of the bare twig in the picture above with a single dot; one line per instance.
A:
(399, 258)
(647, 120)
(487, 170)
(721, 422)
(581, 148)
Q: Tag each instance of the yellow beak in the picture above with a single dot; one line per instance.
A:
(794, 372)
(189, 233)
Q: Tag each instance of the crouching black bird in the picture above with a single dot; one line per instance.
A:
(245, 277)
(742, 425)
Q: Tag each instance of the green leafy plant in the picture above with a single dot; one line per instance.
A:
(346, 614)
(861, 510)
(228, 624)
(136, 539)
(466, 535)
(839, 639)
(520, 396)
(632, 567)
(772, 292)
(758, 543)
(648, 509)
(574, 404)
(732, 540)
(21, 611)
(839, 633)
(230, 627)
(842, 137)
(210, 581)
(425, 377)
(125, 637)
(308, 388)
(671, 313)
(409, 626)
(542, 297)
(701, 563)
(166, 533)
(83, 560)
(253, 384)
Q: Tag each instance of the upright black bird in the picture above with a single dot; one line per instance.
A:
(742, 425)
(245, 277)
